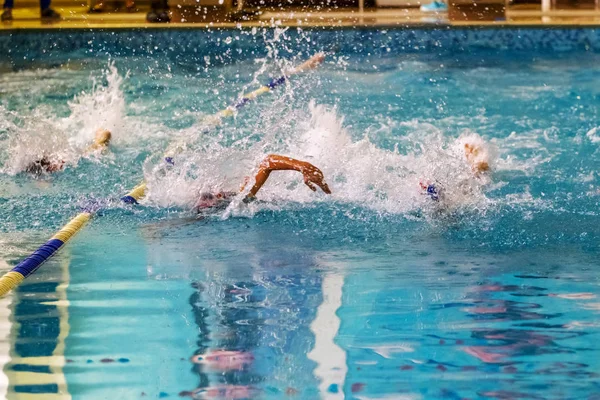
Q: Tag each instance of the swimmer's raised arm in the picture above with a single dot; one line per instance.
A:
(312, 175)
(311, 63)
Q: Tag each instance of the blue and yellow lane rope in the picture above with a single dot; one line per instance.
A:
(28, 266)
(135, 194)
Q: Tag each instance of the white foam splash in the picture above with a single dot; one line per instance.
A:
(41, 135)
(359, 172)
(102, 107)
(33, 138)
(592, 135)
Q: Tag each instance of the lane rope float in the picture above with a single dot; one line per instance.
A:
(28, 266)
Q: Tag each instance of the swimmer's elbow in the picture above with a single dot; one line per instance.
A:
(271, 160)
(272, 157)
(265, 164)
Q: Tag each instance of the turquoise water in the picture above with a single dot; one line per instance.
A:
(374, 292)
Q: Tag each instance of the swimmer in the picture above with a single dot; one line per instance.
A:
(45, 165)
(477, 157)
(48, 165)
(313, 178)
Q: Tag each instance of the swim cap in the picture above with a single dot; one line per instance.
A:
(431, 190)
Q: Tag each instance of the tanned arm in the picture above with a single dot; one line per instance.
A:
(312, 175)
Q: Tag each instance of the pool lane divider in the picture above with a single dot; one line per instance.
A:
(28, 266)
(135, 194)
(139, 192)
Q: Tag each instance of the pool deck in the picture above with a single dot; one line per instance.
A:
(78, 18)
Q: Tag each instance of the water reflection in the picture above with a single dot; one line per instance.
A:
(260, 315)
(253, 304)
(508, 345)
(39, 325)
(467, 330)
(330, 358)
(228, 341)
(523, 339)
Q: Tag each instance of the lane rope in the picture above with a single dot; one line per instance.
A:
(28, 266)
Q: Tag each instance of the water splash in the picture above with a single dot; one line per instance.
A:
(102, 107)
(33, 138)
(40, 135)
(358, 172)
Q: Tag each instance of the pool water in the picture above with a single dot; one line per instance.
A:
(374, 292)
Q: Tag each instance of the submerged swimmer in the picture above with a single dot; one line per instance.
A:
(477, 157)
(49, 164)
(313, 177)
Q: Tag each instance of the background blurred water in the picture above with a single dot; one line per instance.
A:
(373, 292)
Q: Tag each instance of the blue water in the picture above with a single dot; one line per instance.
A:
(374, 292)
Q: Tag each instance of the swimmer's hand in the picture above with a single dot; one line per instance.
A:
(472, 154)
(313, 176)
(248, 199)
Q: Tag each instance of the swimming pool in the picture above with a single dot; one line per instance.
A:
(370, 293)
